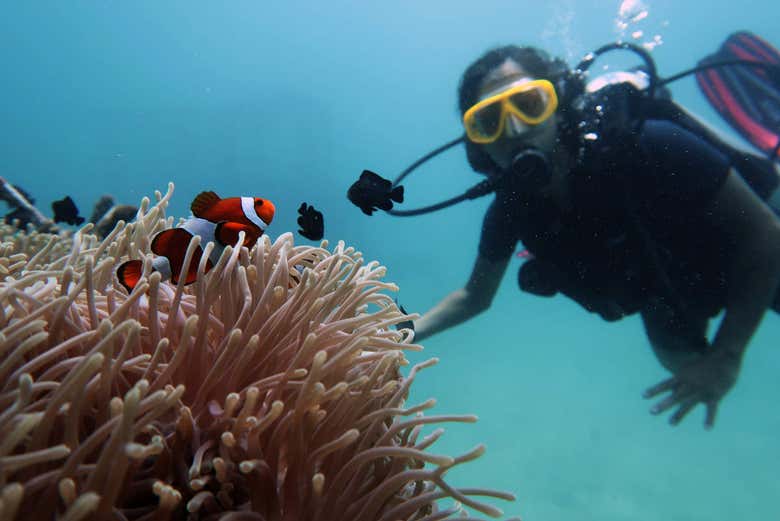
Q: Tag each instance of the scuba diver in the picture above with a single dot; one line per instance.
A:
(627, 204)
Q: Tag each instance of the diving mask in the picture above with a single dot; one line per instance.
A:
(532, 102)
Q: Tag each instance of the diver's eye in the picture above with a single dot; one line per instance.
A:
(532, 103)
(488, 119)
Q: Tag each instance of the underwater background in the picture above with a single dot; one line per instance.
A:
(292, 100)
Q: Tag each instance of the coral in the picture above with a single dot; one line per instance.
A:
(272, 388)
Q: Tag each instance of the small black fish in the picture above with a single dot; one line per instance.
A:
(408, 324)
(372, 191)
(18, 214)
(65, 211)
(311, 223)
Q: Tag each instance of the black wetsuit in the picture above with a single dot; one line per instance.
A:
(638, 227)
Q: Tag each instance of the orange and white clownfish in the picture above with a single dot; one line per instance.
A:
(213, 220)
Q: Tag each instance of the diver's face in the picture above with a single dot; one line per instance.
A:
(517, 135)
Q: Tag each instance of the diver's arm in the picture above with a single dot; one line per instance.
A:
(754, 273)
(463, 304)
(753, 276)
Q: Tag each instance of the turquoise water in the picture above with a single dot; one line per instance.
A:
(291, 101)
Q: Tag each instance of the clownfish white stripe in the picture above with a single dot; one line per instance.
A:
(163, 265)
(207, 232)
(248, 206)
(203, 228)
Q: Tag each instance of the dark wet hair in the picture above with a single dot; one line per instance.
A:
(533, 60)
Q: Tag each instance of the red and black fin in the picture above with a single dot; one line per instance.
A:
(748, 98)
(167, 242)
(129, 273)
(227, 233)
(203, 202)
(173, 243)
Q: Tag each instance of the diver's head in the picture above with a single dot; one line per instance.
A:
(508, 102)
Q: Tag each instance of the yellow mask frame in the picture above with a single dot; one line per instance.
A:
(518, 101)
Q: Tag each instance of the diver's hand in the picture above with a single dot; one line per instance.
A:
(705, 381)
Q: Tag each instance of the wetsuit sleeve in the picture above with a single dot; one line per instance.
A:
(680, 167)
(499, 234)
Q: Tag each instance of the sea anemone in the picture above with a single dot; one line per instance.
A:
(272, 388)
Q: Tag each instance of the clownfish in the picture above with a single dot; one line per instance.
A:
(213, 220)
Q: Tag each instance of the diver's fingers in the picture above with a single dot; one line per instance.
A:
(680, 394)
(664, 405)
(685, 407)
(712, 411)
(657, 389)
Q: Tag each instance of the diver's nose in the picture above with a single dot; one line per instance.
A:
(514, 127)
